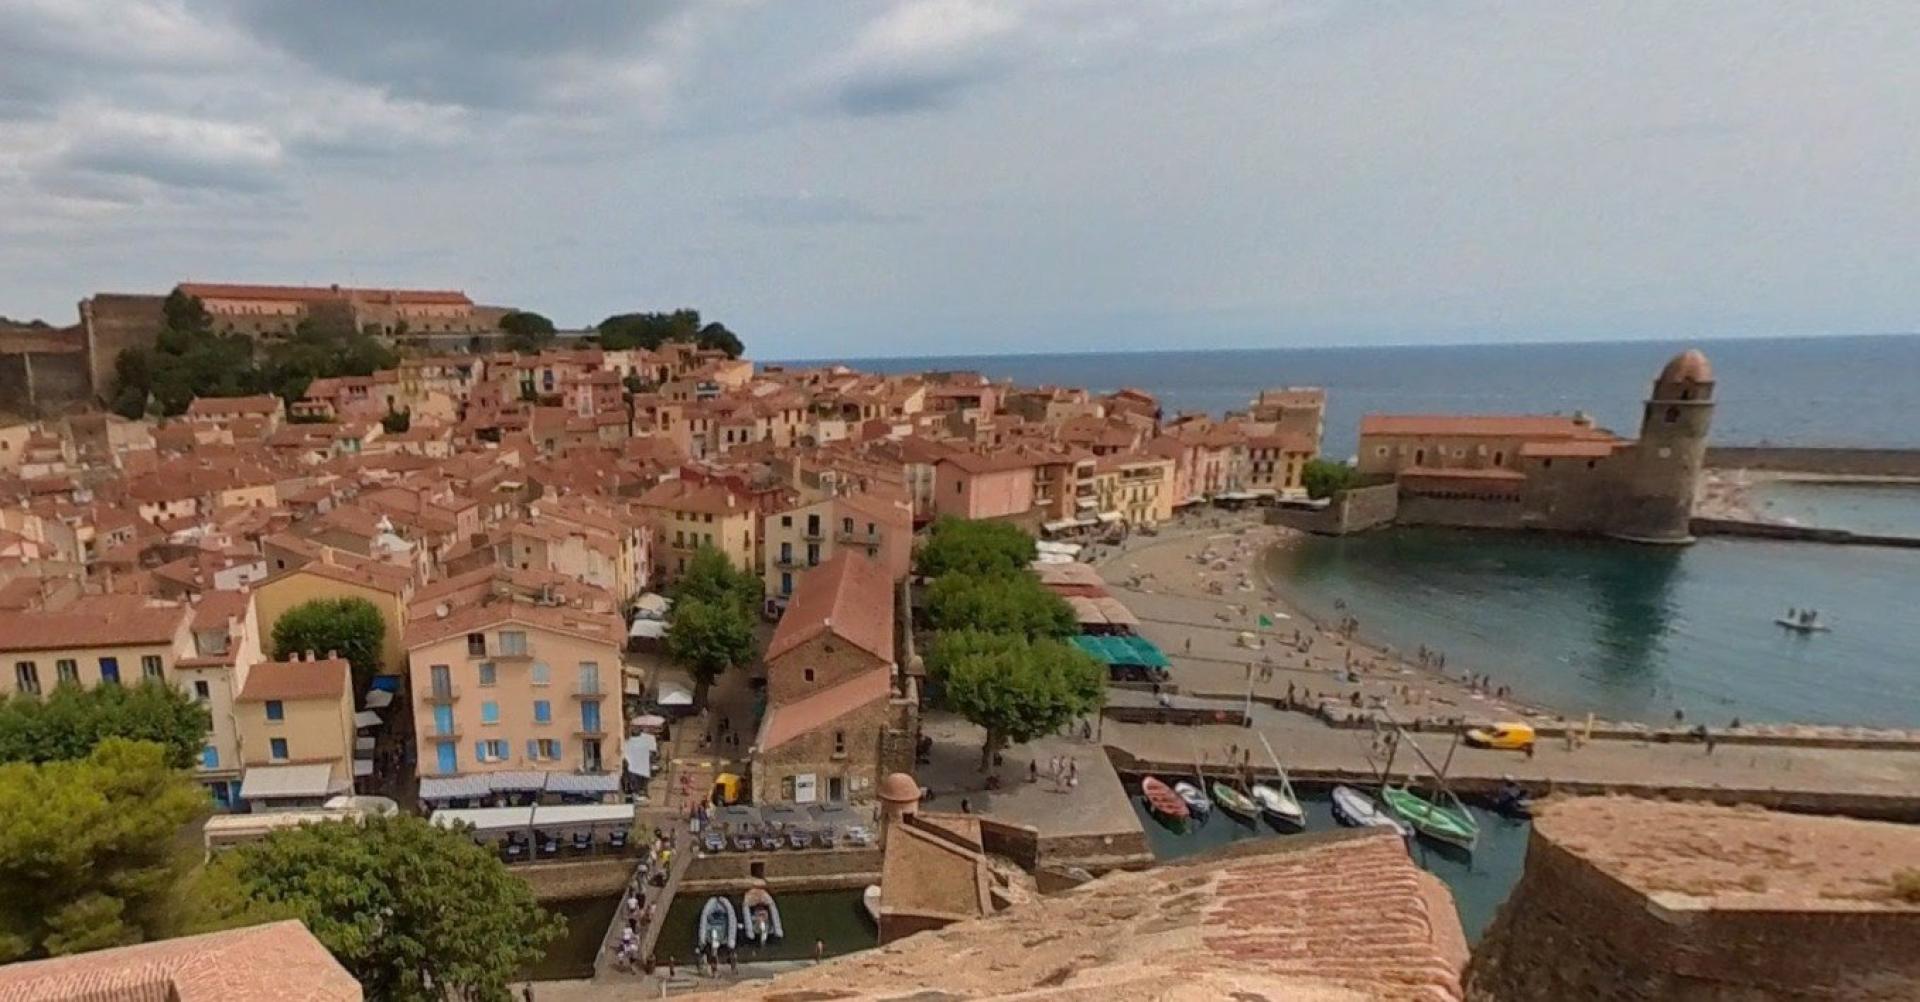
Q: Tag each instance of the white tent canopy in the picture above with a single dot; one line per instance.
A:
(652, 606)
(577, 815)
(486, 819)
(649, 629)
(379, 699)
(639, 754)
(365, 719)
(312, 779)
(673, 688)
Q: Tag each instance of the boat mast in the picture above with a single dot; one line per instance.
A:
(1286, 785)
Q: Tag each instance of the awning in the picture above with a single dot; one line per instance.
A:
(582, 782)
(577, 815)
(486, 819)
(649, 629)
(516, 781)
(649, 720)
(379, 699)
(1135, 651)
(1067, 549)
(365, 719)
(1087, 503)
(639, 754)
(363, 744)
(362, 767)
(652, 606)
(454, 787)
(267, 782)
(1053, 558)
(1109, 516)
(673, 689)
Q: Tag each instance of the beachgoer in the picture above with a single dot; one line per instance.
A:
(1033, 771)
(819, 950)
(966, 806)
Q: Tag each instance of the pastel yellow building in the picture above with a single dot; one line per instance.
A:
(110, 639)
(507, 686)
(295, 721)
(687, 516)
(1134, 488)
(334, 574)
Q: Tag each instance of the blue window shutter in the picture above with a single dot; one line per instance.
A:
(479, 749)
(533, 748)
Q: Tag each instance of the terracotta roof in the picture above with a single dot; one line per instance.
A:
(276, 962)
(260, 403)
(787, 721)
(604, 628)
(850, 596)
(215, 608)
(706, 499)
(348, 568)
(1461, 473)
(132, 623)
(1314, 918)
(1530, 426)
(321, 678)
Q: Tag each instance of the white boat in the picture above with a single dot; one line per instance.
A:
(719, 925)
(1278, 807)
(871, 899)
(1806, 625)
(1196, 798)
(761, 916)
(1357, 810)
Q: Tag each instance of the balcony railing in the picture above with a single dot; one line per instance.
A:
(589, 688)
(451, 730)
(858, 538)
(441, 692)
(586, 730)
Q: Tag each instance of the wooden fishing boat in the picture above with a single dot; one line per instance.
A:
(1357, 810)
(1453, 824)
(1282, 810)
(1163, 800)
(1234, 802)
(1196, 799)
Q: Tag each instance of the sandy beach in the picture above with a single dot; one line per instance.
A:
(1201, 588)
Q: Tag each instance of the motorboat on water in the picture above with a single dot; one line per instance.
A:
(762, 916)
(1163, 801)
(1449, 823)
(1280, 808)
(870, 900)
(1803, 621)
(1234, 802)
(719, 925)
(1196, 799)
(1357, 810)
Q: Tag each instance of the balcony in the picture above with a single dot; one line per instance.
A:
(589, 689)
(441, 692)
(786, 560)
(813, 535)
(858, 538)
(449, 731)
(586, 730)
(522, 656)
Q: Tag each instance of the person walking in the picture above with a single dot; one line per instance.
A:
(819, 950)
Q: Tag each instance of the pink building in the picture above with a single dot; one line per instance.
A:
(970, 485)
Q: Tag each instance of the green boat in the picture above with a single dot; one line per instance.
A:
(1453, 825)
(1234, 802)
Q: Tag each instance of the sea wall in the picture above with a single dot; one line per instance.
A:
(792, 870)
(1355, 509)
(1571, 931)
(577, 879)
(1798, 533)
(1836, 462)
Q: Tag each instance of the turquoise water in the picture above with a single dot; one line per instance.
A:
(1631, 632)
(1876, 510)
(1480, 881)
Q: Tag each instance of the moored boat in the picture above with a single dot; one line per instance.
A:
(1163, 800)
(1196, 799)
(762, 916)
(719, 925)
(1452, 825)
(1282, 810)
(1234, 802)
(1357, 810)
(870, 900)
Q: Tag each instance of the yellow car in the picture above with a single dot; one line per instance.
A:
(1513, 737)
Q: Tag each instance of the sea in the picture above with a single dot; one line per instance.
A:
(1622, 631)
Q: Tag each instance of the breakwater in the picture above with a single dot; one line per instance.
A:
(1838, 462)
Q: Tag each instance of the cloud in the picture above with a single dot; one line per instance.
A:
(807, 209)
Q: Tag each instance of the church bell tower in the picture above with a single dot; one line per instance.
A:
(1658, 486)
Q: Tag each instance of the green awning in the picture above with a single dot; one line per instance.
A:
(1135, 651)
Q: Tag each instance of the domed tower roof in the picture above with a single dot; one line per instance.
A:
(899, 788)
(1690, 366)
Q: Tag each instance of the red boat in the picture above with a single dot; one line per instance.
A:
(1163, 800)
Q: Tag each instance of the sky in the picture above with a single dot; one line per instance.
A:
(837, 178)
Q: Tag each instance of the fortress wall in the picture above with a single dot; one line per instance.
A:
(1838, 462)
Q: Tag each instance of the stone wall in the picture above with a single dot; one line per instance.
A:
(42, 370)
(579, 879)
(1800, 533)
(1839, 462)
(1355, 509)
(1465, 512)
(113, 323)
(815, 869)
(1570, 931)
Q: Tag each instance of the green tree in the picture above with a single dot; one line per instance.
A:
(975, 547)
(396, 422)
(350, 627)
(90, 853)
(527, 332)
(185, 313)
(1326, 477)
(412, 910)
(709, 637)
(716, 336)
(1015, 689)
(1014, 603)
(70, 722)
(711, 577)
(648, 330)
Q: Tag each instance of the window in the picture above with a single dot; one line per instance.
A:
(489, 712)
(209, 757)
(110, 670)
(590, 716)
(202, 691)
(488, 675)
(807, 674)
(786, 521)
(786, 788)
(786, 553)
(276, 710)
(513, 642)
(542, 712)
(26, 676)
(956, 488)
(786, 581)
(542, 673)
(150, 665)
(1673, 414)
(476, 645)
(68, 669)
(839, 742)
(846, 526)
(277, 749)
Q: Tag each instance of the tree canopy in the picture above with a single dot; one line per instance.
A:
(975, 547)
(711, 577)
(527, 332)
(1326, 477)
(410, 909)
(350, 627)
(90, 854)
(651, 330)
(189, 359)
(1014, 603)
(70, 722)
(709, 637)
(1016, 689)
